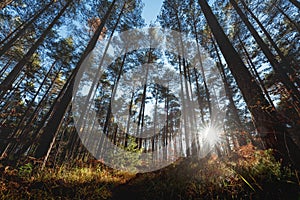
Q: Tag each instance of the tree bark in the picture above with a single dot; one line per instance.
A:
(5, 3)
(296, 3)
(207, 93)
(228, 90)
(26, 130)
(265, 119)
(285, 63)
(21, 30)
(297, 26)
(8, 81)
(252, 66)
(64, 98)
(279, 70)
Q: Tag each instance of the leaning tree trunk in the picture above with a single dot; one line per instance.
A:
(296, 25)
(296, 3)
(5, 3)
(207, 93)
(8, 81)
(95, 81)
(25, 131)
(94, 84)
(284, 61)
(252, 66)
(21, 30)
(50, 130)
(265, 119)
(25, 121)
(279, 70)
(228, 90)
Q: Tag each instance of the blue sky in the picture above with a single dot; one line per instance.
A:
(151, 10)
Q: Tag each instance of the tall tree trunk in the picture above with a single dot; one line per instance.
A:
(22, 123)
(185, 96)
(265, 119)
(199, 100)
(50, 130)
(5, 3)
(296, 3)
(279, 70)
(228, 90)
(113, 94)
(155, 119)
(284, 61)
(25, 131)
(8, 81)
(128, 120)
(207, 93)
(10, 95)
(296, 25)
(184, 110)
(22, 29)
(5, 67)
(95, 81)
(252, 66)
(24, 116)
(140, 125)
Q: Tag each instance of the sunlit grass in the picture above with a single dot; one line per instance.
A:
(94, 182)
(83, 175)
(246, 173)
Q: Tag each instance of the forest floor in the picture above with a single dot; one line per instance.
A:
(246, 174)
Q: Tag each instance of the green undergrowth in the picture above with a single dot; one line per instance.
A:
(246, 174)
(85, 182)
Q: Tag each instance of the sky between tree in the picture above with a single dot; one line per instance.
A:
(151, 10)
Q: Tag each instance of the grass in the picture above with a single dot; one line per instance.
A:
(60, 183)
(246, 174)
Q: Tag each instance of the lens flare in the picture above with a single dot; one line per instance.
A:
(212, 134)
